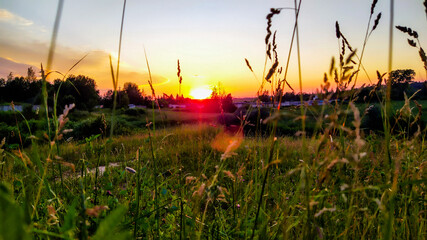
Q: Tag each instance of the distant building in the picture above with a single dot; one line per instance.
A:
(176, 106)
(18, 108)
(136, 106)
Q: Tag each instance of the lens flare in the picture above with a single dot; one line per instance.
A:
(200, 93)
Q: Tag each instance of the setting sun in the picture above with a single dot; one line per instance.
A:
(200, 93)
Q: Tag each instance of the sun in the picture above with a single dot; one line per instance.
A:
(200, 93)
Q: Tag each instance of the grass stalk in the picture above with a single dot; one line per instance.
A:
(116, 77)
(264, 183)
(44, 96)
(138, 191)
(83, 233)
(297, 9)
(150, 82)
(156, 201)
(96, 178)
(387, 230)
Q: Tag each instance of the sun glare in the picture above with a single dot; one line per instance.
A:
(200, 93)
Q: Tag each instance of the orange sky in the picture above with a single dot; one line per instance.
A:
(210, 38)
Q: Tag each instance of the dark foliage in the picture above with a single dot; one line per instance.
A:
(80, 90)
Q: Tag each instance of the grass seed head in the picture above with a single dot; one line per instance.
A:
(373, 6)
(248, 64)
(337, 30)
(273, 11)
(271, 71)
(412, 43)
(200, 191)
(423, 57)
(425, 6)
(376, 22)
(95, 211)
(189, 179)
(229, 174)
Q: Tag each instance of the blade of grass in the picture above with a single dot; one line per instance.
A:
(389, 215)
(116, 78)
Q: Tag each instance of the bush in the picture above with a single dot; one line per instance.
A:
(7, 117)
(134, 112)
(77, 115)
(99, 125)
(87, 128)
(372, 119)
(405, 125)
(10, 133)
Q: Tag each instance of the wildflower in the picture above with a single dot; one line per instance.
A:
(131, 170)
(62, 119)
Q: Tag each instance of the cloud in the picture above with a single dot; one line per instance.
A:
(96, 64)
(17, 69)
(22, 47)
(6, 16)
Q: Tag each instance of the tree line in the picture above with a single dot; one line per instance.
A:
(401, 83)
(82, 91)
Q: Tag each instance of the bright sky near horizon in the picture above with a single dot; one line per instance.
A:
(211, 38)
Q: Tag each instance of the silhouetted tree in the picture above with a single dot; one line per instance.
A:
(80, 89)
(134, 94)
(227, 104)
(219, 101)
(402, 76)
(16, 90)
(400, 80)
(2, 89)
(265, 97)
(10, 76)
(31, 75)
(122, 99)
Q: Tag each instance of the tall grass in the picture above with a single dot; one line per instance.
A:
(209, 182)
(115, 77)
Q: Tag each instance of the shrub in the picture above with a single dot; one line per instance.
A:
(88, 127)
(134, 112)
(10, 133)
(372, 119)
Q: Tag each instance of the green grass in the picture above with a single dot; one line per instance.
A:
(223, 193)
(332, 180)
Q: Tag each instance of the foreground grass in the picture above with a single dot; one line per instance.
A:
(197, 181)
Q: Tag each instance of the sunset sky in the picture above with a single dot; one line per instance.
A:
(211, 38)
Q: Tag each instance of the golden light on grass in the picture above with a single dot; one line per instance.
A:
(227, 143)
(200, 93)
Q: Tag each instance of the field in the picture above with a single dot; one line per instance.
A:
(199, 180)
(349, 165)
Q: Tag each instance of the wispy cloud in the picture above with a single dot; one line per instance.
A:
(8, 65)
(6, 16)
(95, 65)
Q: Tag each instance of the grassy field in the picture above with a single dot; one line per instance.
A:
(336, 171)
(199, 181)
